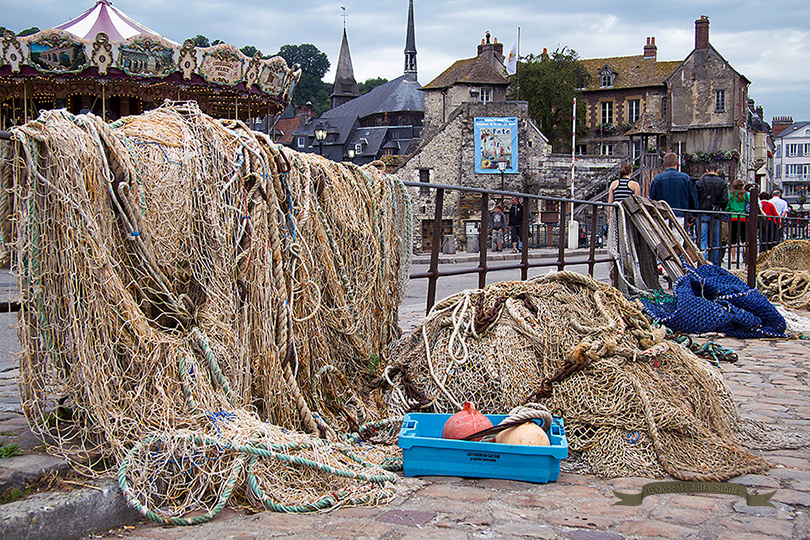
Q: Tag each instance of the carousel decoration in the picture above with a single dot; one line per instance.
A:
(106, 63)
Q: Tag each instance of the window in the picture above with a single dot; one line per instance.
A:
(582, 149)
(302, 142)
(719, 101)
(778, 171)
(606, 78)
(797, 169)
(486, 95)
(807, 149)
(607, 112)
(424, 177)
(633, 110)
(606, 149)
(664, 107)
(794, 150)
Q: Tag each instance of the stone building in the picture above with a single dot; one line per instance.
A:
(471, 89)
(640, 107)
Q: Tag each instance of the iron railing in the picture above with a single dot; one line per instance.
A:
(758, 231)
(433, 273)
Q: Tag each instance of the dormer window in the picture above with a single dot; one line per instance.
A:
(606, 77)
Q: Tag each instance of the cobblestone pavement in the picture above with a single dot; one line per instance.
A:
(770, 384)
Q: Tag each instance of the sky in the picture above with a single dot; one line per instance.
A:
(767, 42)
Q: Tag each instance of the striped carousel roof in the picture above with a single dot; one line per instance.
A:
(103, 17)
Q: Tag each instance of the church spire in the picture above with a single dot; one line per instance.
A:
(410, 46)
(345, 87)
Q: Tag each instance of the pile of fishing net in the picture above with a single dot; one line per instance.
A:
(634, 404)
(783, 274)
(195, 296)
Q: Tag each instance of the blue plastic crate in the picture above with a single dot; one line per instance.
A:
(425, 453)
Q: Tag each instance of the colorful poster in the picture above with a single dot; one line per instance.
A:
(496, 138)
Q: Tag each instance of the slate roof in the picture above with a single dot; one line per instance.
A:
(792, 129)
(631, 71)
(476, 70)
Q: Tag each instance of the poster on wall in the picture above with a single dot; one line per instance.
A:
(496, 137)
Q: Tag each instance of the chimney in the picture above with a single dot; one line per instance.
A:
(491, 51)
(650, 50)
(702, 33)
(544, 56)
(780, 124)
(760, 112)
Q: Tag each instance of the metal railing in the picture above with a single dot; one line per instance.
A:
(756, 231)
(433, 273)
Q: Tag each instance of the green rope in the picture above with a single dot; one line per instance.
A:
(251, 452)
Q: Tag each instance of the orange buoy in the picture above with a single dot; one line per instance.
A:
(465, 422)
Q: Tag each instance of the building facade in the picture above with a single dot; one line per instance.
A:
(792, 161)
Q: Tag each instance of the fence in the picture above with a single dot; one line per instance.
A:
(711, 232)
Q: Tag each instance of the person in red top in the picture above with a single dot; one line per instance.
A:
(768, 224)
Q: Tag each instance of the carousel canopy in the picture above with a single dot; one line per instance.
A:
(103, 17)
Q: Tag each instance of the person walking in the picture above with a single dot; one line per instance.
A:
(675, 188)
(515, 223)
(498, 226)
(712, 193)
(782, 208)
(768, 223)
(739, 201)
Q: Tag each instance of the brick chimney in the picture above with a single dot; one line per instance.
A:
(760, 112)
(492, 51)
(702, 33)
(780, 124)
(650, 50)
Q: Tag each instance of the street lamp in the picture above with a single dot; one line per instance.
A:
(350, 154)
(320, 136)
(502, 162)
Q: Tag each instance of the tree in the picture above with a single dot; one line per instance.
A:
(314, 65)
(371, 84)
(549, 84)
(250, 50)
(28, 31)
(200, 41)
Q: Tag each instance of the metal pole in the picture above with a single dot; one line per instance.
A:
(482, 240)
(433, 270)
(573, 150)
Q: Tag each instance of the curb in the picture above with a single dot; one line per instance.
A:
(67, 515)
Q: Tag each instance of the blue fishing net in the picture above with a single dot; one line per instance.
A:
(711, 299)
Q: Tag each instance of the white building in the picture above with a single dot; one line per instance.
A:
(792, 160)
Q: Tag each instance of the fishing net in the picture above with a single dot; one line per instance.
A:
(634, 403)
(783, 274)
(194, 295)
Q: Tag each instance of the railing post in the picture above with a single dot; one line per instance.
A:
(433, 271)
(524, 238)
(752, 237)
(563, 236)
(482, 241)
(592, 250)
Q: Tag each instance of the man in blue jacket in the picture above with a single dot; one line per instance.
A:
(676, 188)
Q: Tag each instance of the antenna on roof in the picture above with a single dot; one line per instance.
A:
(344, 15)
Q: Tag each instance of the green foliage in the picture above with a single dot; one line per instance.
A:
(200, 41)
(250, 50)
(314, 65)
(217, 42)
(9, 450)
(28, 31)
(373, 362)
(13, 495)
(550, 85)
(371, 84)
(706, 157)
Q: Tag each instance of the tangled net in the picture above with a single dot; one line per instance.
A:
(634, 404)
(783, 274)
(192, 294)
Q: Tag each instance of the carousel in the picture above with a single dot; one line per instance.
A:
(105, 63)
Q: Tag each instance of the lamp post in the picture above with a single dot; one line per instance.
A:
(320, 136)
(350, 154)
(502, 162)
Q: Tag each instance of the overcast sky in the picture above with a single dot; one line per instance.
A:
(767, 41)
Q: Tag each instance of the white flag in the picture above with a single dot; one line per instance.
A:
(512, 59)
